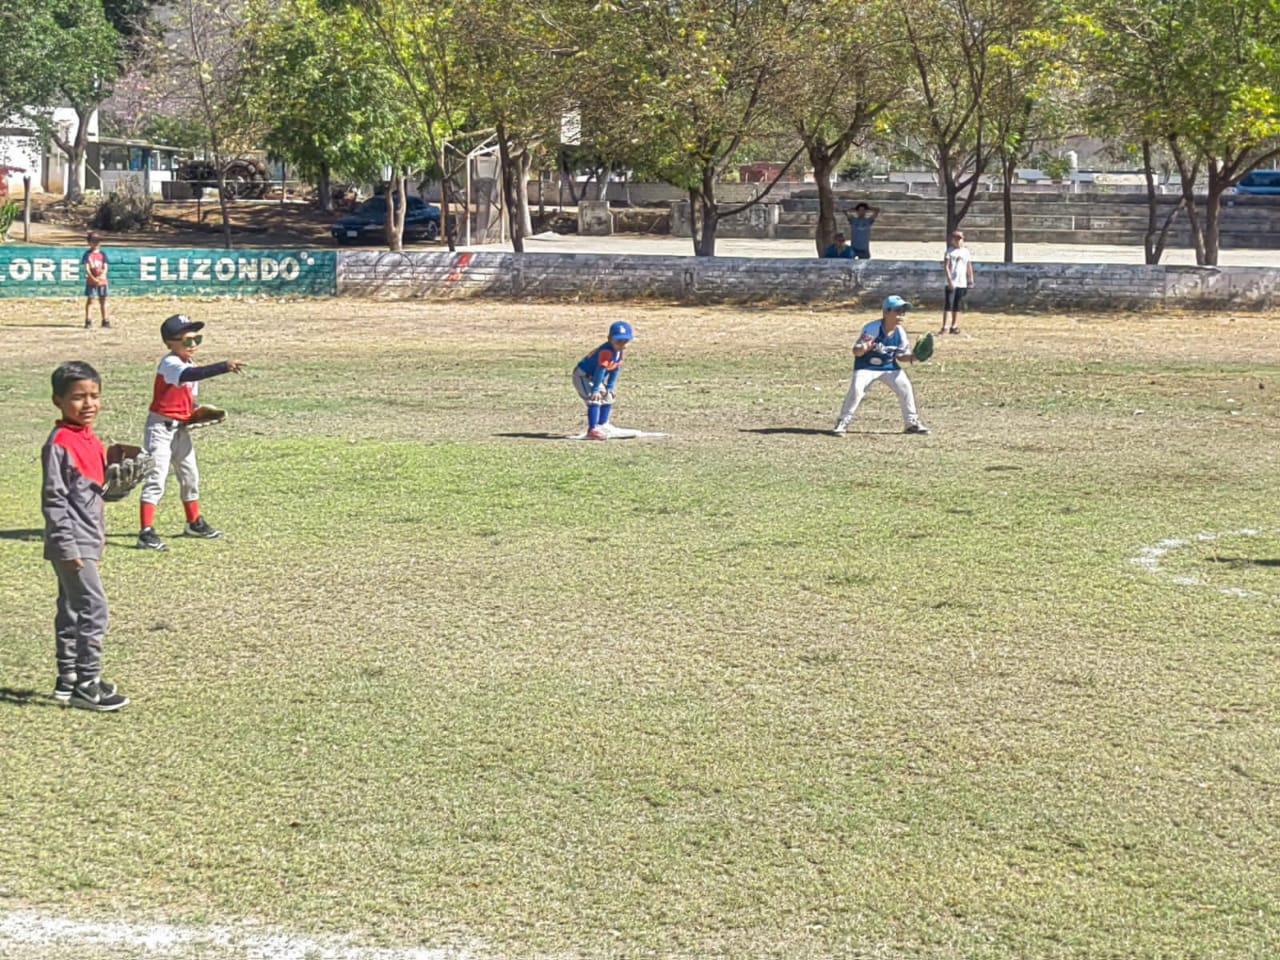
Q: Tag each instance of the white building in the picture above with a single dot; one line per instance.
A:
(110, 162)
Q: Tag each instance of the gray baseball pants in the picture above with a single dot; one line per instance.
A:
(170, 443)
(81, 623)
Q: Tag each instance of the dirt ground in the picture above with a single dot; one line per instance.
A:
(186, 223)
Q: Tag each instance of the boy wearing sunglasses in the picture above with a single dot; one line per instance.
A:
(167, 437)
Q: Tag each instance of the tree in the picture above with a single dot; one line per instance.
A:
(416, 41)
(690, 84)
(510, 74)
(1030, 93)
(1206, 75)
(326, 99)
(55, 53)
(846, 73)
(203, 62)
(949, 43)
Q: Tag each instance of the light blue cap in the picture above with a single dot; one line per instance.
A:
(896, 303)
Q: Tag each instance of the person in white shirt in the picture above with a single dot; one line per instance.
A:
(958, 266)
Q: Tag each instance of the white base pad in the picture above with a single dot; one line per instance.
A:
(622, 433)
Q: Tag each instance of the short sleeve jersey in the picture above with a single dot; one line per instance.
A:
(957, 261)
(95, 264)
(171, 398)
(602, 365)
(886, 349)
(860, 232)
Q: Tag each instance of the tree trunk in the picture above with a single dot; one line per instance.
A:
(1213, 212)
(952, 192)
(1154, 240)
(1187, 172)
(446, 227)
(524, 165)
(822, 165)
(394, 236)
(402, 204)
(325, 186)
(510, 198)
(223, 206)
(1007, 165)
(1151, 247)
(704, 245)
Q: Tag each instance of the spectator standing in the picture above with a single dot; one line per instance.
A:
(957, 263)
(861, 221)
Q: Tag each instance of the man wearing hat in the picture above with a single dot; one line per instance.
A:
(167, 435)
(879, 353)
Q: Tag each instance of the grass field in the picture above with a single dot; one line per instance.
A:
(750, 691)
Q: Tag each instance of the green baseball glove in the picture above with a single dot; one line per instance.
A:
(924, 348)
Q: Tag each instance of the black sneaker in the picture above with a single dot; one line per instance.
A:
(916, 428)
(88, 324)
(148, 539)
(201, 529)
(63, 686)
(98, 696)
(106, 324)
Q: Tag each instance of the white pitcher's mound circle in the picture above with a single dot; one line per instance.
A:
(1236, 563)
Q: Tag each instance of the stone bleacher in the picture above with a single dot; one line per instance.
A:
(1099, 218)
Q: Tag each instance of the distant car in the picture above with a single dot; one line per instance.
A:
(367, 223)
(1265, 183)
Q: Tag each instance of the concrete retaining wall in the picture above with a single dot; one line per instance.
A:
(558, 276)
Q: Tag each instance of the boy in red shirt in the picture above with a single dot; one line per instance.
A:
(95, 281)
(167, 436)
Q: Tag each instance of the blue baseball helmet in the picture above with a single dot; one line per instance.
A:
(621, 331)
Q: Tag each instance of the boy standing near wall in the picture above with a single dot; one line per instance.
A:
(95, 265)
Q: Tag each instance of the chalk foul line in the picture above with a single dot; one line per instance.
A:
(24, 928)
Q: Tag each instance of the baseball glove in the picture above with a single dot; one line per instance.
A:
(127, 466)
(204, 416)
(924, 348)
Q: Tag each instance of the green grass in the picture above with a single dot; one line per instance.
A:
(734, 693)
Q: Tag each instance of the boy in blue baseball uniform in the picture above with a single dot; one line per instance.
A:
(596, 376)
(881, 350)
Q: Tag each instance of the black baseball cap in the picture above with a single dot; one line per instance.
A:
(177, 325)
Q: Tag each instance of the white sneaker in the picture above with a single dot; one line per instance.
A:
(841, 427)
(608, 429)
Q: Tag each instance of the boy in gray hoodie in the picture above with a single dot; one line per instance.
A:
(76, 482)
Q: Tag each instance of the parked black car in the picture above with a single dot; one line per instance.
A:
(367, 223)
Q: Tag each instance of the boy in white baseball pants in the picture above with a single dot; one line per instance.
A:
(168, 436)
(878, 354)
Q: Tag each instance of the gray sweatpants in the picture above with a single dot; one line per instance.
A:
(170, 443)
(81, 623)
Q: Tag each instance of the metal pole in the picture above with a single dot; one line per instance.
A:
(468, 207)
(26, 208)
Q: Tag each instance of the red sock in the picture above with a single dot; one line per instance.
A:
(148, 512)
(193, 510)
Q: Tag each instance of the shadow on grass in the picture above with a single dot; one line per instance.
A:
(1245, 562)
(533, 436)
(35, 535)
(814, 432)
(27, 698)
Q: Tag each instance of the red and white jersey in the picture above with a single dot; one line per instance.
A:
(171, 398)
